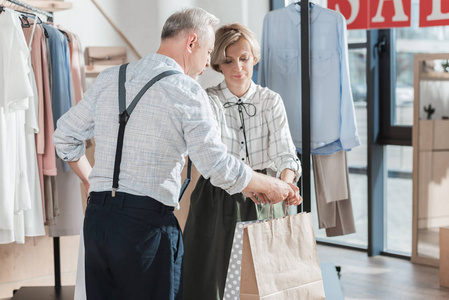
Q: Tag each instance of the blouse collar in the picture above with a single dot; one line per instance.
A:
(231, 97)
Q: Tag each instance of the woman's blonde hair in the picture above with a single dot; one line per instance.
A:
(227, 35)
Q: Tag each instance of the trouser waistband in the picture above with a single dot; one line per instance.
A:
(129, 200)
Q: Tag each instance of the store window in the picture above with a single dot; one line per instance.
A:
(398, 202)
(411, 40)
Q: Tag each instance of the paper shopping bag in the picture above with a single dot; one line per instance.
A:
(280, 260)
(232, 286)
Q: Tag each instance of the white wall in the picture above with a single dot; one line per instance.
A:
(141, 21)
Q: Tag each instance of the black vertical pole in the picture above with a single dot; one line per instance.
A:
(305, 105)
(375, 149)
(57, 262)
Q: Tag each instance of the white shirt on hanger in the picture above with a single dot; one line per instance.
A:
(15, 89)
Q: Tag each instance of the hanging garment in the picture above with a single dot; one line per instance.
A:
(28, 217)
(62, 193)
(59, 53)
(332, 191)
(82, 64)
(70, 219)
(6, 208)
(33, 218)
(33, 221)
(60, 72)
(75, 66)
(80, 284)
(45, 148)
(35, 62)
(51, 200)
(333, 125)
(15, 89)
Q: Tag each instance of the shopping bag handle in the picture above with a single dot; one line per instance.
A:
(271, 217)
(271, 211)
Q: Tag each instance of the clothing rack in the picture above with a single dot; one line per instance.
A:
(329, 274)
(305, 104)
(56, 291)
(49, 15)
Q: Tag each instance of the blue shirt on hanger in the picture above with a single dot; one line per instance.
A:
(60, 75)
(333, 124)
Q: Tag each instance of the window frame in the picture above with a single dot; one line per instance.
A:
(390, 134)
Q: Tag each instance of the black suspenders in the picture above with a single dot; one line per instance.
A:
(124, 117)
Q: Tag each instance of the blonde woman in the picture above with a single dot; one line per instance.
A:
(253, 125)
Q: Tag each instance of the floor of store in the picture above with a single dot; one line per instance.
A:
(382, 277)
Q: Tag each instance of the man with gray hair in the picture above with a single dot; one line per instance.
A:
(133, 243)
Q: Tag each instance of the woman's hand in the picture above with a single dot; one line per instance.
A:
(285, 191)
(266, 189)
(279, 191)
(297, 199)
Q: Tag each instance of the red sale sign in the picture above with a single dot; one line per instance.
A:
(371, 14)
(354, 11)
(389, 13)
(433, 13)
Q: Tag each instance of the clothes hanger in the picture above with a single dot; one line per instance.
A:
(24, 21)
(66, 35)
(24, 18)
(33, 16)
(2, 6)
(311, 3)
(17, 8)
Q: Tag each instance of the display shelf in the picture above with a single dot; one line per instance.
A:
(430, 164)
(93, 71)
(434, 76)
(48, 5)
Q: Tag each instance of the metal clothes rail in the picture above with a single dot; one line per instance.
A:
(49, 15)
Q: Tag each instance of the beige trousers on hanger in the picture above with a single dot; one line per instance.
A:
(333, 197)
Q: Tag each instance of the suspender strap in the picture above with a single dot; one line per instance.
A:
(187, 180)
(122, 121)
(121, 88)
(125, 114)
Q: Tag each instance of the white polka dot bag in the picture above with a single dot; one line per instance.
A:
(275, 260)
(232, 287)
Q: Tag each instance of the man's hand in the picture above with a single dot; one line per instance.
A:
(251, 195)
(86, 186)
(257, 198)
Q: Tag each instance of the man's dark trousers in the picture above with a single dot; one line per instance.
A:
(133, 249)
